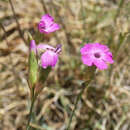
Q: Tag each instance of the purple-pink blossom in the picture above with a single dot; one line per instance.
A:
(96, 54)
(50, 55)
(47, 24)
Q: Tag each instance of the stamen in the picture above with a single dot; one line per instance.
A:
(97, 55)
(58, 48)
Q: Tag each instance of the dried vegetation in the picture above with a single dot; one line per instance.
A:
(105, 105)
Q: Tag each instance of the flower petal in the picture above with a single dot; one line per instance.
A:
(45, 47)
(52, 28)
(47, 19)
(49, 58)
(100, 64)
(108, 59)
(87, 60)
(86, 49)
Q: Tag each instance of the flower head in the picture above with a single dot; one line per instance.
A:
(96, 54)
(50, 55)
(47, 24)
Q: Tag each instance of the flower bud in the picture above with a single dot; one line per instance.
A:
(33, 65)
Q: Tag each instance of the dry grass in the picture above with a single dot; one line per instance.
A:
(105, 105)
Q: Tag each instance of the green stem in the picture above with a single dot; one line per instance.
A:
(77, 100)
(119, 9)
(17, 22)
(31, 108)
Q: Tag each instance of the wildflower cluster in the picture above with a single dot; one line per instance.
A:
(42, 57)
(48, 54)
(92, 54)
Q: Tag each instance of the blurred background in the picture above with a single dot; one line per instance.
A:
(105, 105)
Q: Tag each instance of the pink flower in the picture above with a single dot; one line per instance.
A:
(96, 54)
(47, 24)
(50, 55)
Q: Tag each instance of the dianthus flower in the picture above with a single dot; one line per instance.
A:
(47, 24)
(50, 55)
(96, 54)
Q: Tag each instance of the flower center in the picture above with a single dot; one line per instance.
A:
(97, 55)
(43, 27)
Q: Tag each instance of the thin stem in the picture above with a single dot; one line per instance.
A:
(84, 85)
(119, 9)
(11, 62)
(31, 109)
(3, 28)
(67, 33)
(18, 25)
(121, 38)
(83, 17)
(44, 6)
